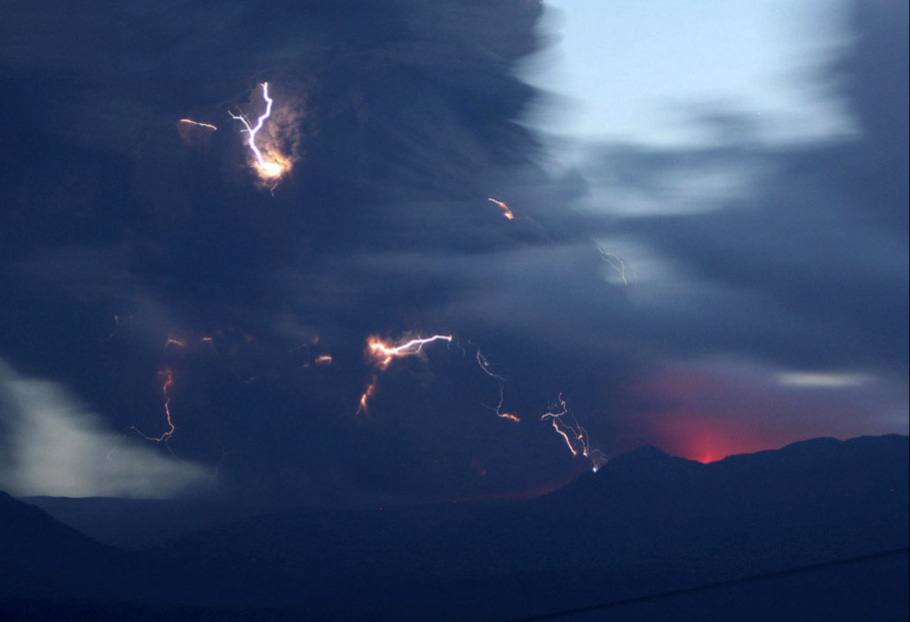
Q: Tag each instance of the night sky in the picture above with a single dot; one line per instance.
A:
(729, 292)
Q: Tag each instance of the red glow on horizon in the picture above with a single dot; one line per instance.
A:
(706, 414)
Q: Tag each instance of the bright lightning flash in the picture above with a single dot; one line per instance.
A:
(272, 166)
(505, 209)
(384, 353)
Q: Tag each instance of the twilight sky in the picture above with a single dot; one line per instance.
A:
(708, 251)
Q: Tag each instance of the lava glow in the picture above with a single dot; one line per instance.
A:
(383, 353)
(168, 382)
(273, 165)
(575, 436)
(505, 209)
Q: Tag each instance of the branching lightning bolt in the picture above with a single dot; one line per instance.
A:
(384, 353)
(575, 436)
(271, 167)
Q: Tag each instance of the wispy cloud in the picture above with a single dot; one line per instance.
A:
(53, 445)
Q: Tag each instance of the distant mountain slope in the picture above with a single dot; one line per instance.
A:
(646, 523)
(137, 523)
(40, 558)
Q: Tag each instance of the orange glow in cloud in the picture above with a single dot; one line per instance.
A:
(362, 409)
(505, 209)
(175, 341)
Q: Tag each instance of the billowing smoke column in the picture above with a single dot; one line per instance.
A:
(125, 237)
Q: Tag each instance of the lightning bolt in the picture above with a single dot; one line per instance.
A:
(208, 126)
(367, 394)
(505, 209)
(617, 264)
(575, 436)
(485, 366)
(384, 353)
(274, 166)
(498, 410)
(164, 438)
(175, 341)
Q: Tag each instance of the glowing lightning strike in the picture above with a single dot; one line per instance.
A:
(575, 436)
(175, 341)
(505, 209)
(208, 126)
(485, 365)
(367, 394)
(498, 409)
(273, 167)
(384, 353)
(164, 438)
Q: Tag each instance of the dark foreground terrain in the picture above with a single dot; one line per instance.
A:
(817, 530)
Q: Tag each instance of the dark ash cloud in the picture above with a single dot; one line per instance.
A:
(127, 251)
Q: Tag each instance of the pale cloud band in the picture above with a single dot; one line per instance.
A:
(52, 445)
